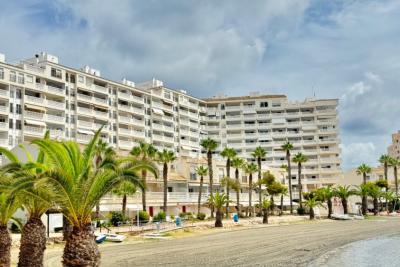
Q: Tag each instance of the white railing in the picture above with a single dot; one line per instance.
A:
(102, 114)
(34, 130)
(4, 92)
(85, 123)
(4, 125)
(100, 100)
(55, 90)
(35, 115)
(55, 104)
(36, 100)
(100, 88)
(85, 110)
(3, 109)
(56, 118)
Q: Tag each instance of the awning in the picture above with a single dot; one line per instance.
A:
(39, 123)
(85, 132)
(187, 148)
(158, 111)
(35, 107)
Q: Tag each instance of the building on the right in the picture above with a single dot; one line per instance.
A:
(394, 147)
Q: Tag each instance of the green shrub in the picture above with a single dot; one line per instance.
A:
(172, 217)
(201, 216)
(117, 217)
(160, 217)
(144, 216)
(301, 211)
(182, 215)
(186, 215)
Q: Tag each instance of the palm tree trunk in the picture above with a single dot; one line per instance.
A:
(385, 166)
(312, 215)
(228, 173)
(259, 183)
(98, 210)
(124, 204)
(144, 174)
(165, 177)
(218, 218)
(290, 181)
(281, 211)
(5, 246)
(329, 207)
(265, 216)
(344, 204)
(210, 175)
(272, 207)
(299, 185)
(33, 243)
(364, 205)
(375, 206)
(81, 249)
(250, 194)
(66, 228)
(237, 192)
(395, 180)
(200, 191)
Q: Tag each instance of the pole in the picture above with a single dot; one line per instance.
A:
(48, 224)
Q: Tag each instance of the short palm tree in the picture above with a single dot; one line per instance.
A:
(312, 203)
(388, 196)
(274, 189)
(228, 183)
(218, 201)
(288, 147)
(165, 157)
(78, 187)
(259, 154)
(385, 161)
(326, 194)
(375, 192)
(363, 170)
(201, 171)
(395, 163)
(344, 192)
(237, 163)
(250, 169)
(210, 145)
(265, 205)
(300, 158)
(144, 152)
(284, 192)
(124, 190)
(363, 192)
(8, 206)
(229, 154)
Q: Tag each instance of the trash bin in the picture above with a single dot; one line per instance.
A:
(235, 217)
(178, 221)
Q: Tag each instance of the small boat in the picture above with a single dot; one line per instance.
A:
(115, 237)
(341, 217)
(100, 238)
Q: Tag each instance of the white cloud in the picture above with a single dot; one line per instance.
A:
(355, 154)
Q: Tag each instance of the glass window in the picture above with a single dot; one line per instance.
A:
(29, 78)
(13, 76)
(56, 73)
(21, 79)
(1, 73)
(81, 79)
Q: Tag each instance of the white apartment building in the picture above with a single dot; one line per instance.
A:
(39, 93)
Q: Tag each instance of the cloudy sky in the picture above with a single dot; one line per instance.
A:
(346, 49)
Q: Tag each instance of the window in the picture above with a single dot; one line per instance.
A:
(29, 78)
(18, 125)
(244, 179)
(264, 104)
(18, 93)
(10, 123)
(81, 78)
(193, 176)
(11, 107)
(56, 73)
(1, 73)
(170, 189)
(18, 109)
(13, 76)
(21, 78)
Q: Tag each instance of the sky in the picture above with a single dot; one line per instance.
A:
(345, 49)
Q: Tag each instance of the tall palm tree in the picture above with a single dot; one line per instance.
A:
(201, 171)
(145, 152)
(78, 187)
(363, 192)
(375, 192)
(395, 163)
(385, 160)
(312, 203)
(363, 170)
(300, 158)
(259, 154)
(8, 206)
(165, 157)
(250, 169)
(124, 190)
(218, 201)
(35, 200)
(344, 192)
(229, 154)
(326, 194)
(237, 163)
(388, 196)
(288, 147)
(210, 145)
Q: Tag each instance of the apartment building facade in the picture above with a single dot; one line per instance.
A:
(394, 147)
(40, 94)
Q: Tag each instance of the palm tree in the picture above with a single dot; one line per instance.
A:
(363, 192)
(265, 204)
(274, 189)
(124, 190)
(210, 146)
(395, 163)
(288, 147)
(218, 201)
(201, 171)
(78, 187)
(8, 206)
(300, 158)
(388, 196)
(249, 169)
(363, 170)
(165, 157)
(237, 163)
(284, 192)
(228, 183)
(375, 192)
(259, 154)
(35, 201)
(326, 194)
(145, 152)
(312, 203)
(229, 154)
(385, 160)
(344, 192)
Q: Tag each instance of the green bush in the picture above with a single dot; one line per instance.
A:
(301, 211)
(117, 217)
(172, 217)
(144, 216)
(186, 215)
(160, 217)
(201, 216)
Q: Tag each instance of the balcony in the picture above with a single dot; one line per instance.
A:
(34, 115)
(83, 97)
(34, 100)
(55, 90)
(4, 93)
(4, 109)
(101, 114)
(3, 126)
(100, 89)
(100, 101)
(33, 130)
(55, 104)
(56, 133)
(85, 111)
(124, 144)
(86, 124)
(83, 138)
